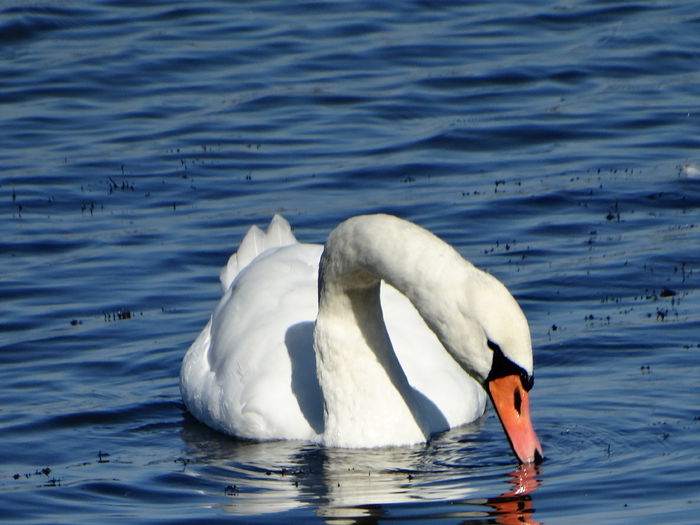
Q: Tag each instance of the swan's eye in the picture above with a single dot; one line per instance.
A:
(517, 400)
(502, 366)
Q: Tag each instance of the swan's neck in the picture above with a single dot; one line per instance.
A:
(367, 398)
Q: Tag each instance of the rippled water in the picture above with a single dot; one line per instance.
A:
(555, 145)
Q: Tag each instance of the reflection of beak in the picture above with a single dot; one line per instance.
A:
(515, 506)
(512, 405)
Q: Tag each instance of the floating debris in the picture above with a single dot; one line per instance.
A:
(53, 482)
(118, 315)
(614, 213)
(46, 471)
(114, 186)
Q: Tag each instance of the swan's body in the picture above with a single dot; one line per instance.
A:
(294, 351)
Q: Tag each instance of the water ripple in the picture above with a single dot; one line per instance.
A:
(555, 146)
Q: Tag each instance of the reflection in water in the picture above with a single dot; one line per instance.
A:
(349, 486)
(515, 506)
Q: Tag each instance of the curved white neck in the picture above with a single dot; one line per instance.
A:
(367, 397)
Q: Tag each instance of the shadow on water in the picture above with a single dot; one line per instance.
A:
(360, 486)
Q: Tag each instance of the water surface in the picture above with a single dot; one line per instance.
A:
(555, 145)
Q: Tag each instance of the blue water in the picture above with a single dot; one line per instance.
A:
(556, 145)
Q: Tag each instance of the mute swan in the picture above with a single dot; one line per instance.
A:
(383, 337)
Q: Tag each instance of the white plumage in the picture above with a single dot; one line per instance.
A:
(265, 368)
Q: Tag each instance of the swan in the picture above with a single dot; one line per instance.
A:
(382, 337)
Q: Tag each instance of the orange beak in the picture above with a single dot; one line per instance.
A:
(512, 405)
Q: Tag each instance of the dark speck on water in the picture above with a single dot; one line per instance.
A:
(554, 144)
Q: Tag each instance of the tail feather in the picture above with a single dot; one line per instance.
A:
(279, 233)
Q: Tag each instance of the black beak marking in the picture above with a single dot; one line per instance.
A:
(517, 400)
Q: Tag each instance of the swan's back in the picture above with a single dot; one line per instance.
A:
(236, 375)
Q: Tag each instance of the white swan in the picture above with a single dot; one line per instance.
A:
(308, 343)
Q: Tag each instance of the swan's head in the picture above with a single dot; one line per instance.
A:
(495, 348)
